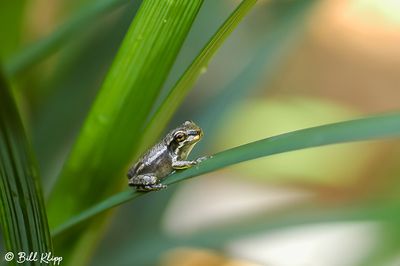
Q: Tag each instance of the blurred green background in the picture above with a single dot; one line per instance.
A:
(290, 64)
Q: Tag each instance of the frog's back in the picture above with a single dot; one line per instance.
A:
(155, 161)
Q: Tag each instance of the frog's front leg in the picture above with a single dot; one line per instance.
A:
(179, 164)
(183, 164)
(146, 182)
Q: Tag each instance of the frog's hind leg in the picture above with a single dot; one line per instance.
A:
(146, 183)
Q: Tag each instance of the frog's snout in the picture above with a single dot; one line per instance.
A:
(199, 134)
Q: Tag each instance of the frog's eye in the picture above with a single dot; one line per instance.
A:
(179, 136)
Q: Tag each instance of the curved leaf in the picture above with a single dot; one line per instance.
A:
(109, 136)
(374, 127)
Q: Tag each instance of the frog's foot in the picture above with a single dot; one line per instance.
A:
(146, 183)
(154, 187)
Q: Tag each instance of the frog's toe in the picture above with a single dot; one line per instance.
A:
(146, 183)
(157, 187)
(201, 159)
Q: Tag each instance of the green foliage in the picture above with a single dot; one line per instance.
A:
(177, 94)
(23, 216)
(122, 105)
(121, 108)
(355, 130)
(43, 48)
(130, 112)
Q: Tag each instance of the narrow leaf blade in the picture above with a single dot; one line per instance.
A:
(369, 128)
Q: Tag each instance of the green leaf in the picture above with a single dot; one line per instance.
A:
(76, 79)
(177, 94)
(170, 104)
(373, 127)
(23, 217)
(285, 20)
(150, 217)
(38, 51)
(109, 136)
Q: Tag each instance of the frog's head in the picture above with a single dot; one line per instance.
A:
(182, 139)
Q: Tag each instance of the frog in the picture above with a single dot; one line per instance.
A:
(165, 157)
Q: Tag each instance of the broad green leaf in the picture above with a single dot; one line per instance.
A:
(110, 133)
(77, 78)
(189, 77)
(150, 217)
(177, 94)
(182, 87)
(38, 51)
(373, 127)
(109, 136)
(23, 216)
(285, 24)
